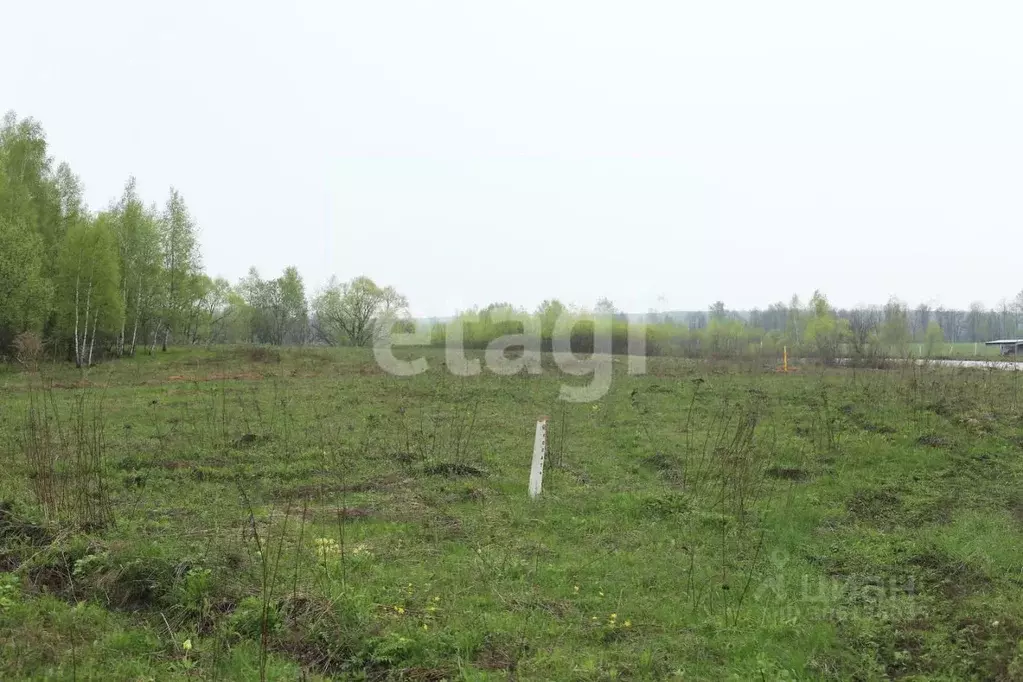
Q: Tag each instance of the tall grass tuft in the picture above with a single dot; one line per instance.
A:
(719, 461)
(445, 440)
(64, 451)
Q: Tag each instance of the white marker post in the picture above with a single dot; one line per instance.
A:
(539, 454)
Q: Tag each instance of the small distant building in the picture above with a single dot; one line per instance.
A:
(1009, 346)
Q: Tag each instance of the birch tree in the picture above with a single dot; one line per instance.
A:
(276, 309)
(138, 241)
(292, 314)
(30, 225)
(180, 248)
(29, 194)
(88, 295)
(824, 330)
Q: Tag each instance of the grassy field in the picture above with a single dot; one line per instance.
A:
(964, 351)
(945, 350)
(301, 514)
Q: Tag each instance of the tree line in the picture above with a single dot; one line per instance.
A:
(815, 328)
(130, 277)
(976, 324)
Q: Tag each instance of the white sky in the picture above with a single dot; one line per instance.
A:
(664, 155)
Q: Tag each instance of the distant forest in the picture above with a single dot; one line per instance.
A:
(83, 285)
(977, 324)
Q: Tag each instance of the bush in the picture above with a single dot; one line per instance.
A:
(28, 349)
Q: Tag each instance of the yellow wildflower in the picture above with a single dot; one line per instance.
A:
(326, 547)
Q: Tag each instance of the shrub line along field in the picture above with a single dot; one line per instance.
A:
(246, 513)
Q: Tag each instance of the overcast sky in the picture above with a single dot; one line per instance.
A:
(664, 155)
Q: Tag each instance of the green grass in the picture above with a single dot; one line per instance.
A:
(946, 350)
(964, 351)
(704, 521)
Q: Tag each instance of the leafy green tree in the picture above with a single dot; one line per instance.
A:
(291, 315)
(549, 311)
(933, 337)
(72, 209)
(25, 292)
(138, 239)
(823, 330)
(196, 318)
(355, 312)
(496, 320)
(276, 310)
(88, 285)
(31, 224)
(217, 309)
(894, 332)
(28, 193)
(724, 336)
(257, 297)
(181, 261)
